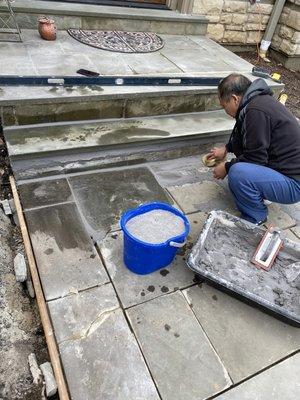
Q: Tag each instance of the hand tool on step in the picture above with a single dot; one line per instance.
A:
(268, 248)
(265, 73)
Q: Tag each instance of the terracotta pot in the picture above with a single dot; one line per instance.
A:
(46, 28)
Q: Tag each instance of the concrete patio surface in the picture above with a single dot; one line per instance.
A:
(159, 336)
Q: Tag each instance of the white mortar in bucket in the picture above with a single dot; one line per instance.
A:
(155, 226)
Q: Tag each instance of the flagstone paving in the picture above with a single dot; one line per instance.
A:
(102, 197)
(277, 216)
(100, 355)
(147, 337)
(246, 339)
(175, 346)
(134, 289)
(46, 193)
(66, 258)
(203, 196)
(277, 383)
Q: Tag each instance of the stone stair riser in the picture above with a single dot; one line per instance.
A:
(139, 106)
(63, 22)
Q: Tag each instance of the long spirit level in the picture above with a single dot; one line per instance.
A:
(13, 80)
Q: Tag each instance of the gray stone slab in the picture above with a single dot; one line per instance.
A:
(45, 193)
(196, 221)
(278, 217)
(293, 210)
(195, 56)
(65, 256)
(296, 230)
(183, 170)
(78, 135)
(180, 171)
(100, 356)
(151, 64)
(277, 383)
(58, 64)
(204, 196)
(102, 197)
(182, 361)
(246, 339)
(133, 288)
(290, 234)
(79, 315)
(218, 52)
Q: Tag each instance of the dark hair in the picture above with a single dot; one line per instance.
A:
(233, 84)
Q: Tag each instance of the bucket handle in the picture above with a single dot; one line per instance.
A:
(176, 244)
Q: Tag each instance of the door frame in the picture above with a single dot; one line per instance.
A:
(183, 6)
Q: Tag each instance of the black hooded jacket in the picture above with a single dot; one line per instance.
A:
(265, 133)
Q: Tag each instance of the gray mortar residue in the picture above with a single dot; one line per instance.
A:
(223, 253)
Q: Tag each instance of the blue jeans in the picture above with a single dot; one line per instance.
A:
(250, 184)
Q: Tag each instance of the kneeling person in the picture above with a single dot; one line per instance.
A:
(266, 143)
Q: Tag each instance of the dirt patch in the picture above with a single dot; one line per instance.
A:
(20, 327)
(290, 78)
(21, 332)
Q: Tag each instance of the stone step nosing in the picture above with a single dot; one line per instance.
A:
(16, 128)
(103, 148)
(107, 96)
(57, 165)
(90, 10)
(140, 91)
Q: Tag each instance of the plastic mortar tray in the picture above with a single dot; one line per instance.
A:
(222, 257)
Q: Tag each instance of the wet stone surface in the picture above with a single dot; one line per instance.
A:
(45, 193)
(66, 258)
(102, 197)
(133, 288)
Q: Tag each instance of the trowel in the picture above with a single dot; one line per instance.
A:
(268, 248)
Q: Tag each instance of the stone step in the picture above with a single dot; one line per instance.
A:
(45, 139)
(61, 148)
(88, 16)
(59, 104)
(181, 56)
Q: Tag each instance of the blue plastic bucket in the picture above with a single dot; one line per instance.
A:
(143, 258)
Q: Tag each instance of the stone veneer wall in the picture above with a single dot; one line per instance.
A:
(239, 22)
(286, 38)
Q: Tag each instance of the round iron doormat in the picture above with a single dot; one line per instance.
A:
(120, 41)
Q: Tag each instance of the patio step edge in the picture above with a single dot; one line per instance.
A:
(40, 140)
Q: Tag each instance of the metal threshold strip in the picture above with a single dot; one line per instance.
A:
(14, 80)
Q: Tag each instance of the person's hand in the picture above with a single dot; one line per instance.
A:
(218, 153)
(220, 171)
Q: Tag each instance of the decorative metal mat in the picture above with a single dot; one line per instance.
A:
(119, 41)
